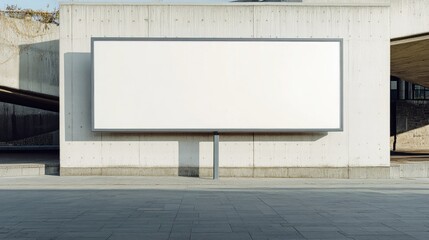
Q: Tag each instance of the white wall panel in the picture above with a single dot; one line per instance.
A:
(236, 150)
(81, 154)
(303, 150)
(409, 17)
(133, 21)
(79, 22)
(160, 21)
(364, 141)
(369, 122)
(216, 85)
(114, 145)
(348, 2)
(214, 21)
(174, 150)
(159, 151)
(66, 100)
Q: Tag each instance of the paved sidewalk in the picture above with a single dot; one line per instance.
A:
(190, 208)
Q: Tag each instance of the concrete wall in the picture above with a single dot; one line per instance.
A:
(409, 17)
(412, 126)
(361, 150)
(29, 60)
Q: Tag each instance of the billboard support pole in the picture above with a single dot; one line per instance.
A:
(215, 155)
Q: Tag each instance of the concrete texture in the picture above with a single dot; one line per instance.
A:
(409, 165)
(30, 163)
(316, 172)
(29, 60)
(363, 25)
(403, 165)
(409, 17)
(15, 170)
(29, 55)
(189, 208)
(410, 170)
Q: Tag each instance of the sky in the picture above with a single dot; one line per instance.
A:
(32, 4)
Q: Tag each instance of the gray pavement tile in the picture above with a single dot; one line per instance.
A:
(134, 230)
(74, 238)
(314, 212)
(21, 238)
(323, 235)
(166, 227)
(80, 235)
(179, 236)
(419, 235)
(317, 228)
(212, 228)
(245, 228)
(383, 237)
(26, 233)
(358, 231)
(139, 236)
(411, 228)
(377, 229)
(4, 235)
(276, 228)
(181, 228)
(277, 236)
(217, 236)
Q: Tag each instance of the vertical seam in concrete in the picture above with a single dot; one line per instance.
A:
(101, 149)
(148, 35)
(253, 156)
(71, 72)
(94, 135)
(347, 102)
(139, 149)
(148, 20)
(169, 21)
(253, 24)
(253, 140)
(389, 20)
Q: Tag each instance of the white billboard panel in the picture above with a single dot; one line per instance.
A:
(207, 85)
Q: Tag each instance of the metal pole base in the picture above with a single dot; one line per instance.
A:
(215, 155)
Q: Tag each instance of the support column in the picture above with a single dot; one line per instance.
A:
(215, 155)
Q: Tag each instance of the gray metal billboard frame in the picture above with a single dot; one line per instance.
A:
(207, 130)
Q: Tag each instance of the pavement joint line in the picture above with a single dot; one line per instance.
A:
(332, 207)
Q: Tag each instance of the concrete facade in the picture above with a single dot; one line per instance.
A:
(359, 151)
(409, 17)
(29, 60)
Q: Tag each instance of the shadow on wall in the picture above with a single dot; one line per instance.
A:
(39, 67)
(38, 72)
(189, 156)
(77, 82)
(77, 116)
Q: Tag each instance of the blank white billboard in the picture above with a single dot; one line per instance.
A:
(207, 85)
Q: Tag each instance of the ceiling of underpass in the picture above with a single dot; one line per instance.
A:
(410, 59)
